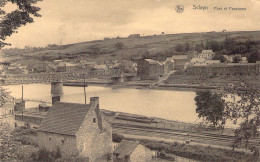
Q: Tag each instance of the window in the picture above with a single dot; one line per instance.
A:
(49, 139)
(15, 124)
(94, 120)
(62, 142)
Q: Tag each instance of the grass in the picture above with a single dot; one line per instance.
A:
(196, 152)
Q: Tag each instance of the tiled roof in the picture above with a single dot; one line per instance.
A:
(65, 118)
(125, 148)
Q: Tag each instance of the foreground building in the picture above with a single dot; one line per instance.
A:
(77, 129)
(131, 151)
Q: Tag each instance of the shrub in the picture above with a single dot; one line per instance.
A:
(44, 155)
(117, 137)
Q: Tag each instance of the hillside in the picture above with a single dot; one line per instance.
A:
(134, 47)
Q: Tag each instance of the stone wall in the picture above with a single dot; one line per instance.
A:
(51, 141)
(94, 139)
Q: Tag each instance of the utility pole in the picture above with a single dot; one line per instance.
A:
(85, 91)
(22, 101)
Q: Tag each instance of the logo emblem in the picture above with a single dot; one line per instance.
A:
(179, 8)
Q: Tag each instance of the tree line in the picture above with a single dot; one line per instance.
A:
(229, 46)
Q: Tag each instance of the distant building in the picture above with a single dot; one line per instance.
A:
(61, 67)
(244, 60)
(71, 67)
(149, 69)
(101, 67)
(77, 129)
(179, 61)
(131, 151)
(134, 36)
(168, 65)
(230, 58)
(13, 71)
(207, 54)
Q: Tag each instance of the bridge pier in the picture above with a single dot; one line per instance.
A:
(57, 87)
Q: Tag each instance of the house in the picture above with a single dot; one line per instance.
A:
(131, 151)
(207, 54)
(71, 67)
(134, 36)
(61, 67)
(149, 69)
(13, 70)
(101, 67)
(179, 61)
(77, 129)
(244, 60)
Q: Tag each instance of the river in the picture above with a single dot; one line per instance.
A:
(168, 104)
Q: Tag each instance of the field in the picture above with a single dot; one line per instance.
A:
(133, 48)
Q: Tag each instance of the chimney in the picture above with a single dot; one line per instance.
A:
(94, 101)
(55, 99)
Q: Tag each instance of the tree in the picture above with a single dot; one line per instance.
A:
(236, 59)
(219, 57)
(119, 45)
(187, 47)
(254, 56)
(179, 48)
(242, 106)
(10, 22)
(210, 106)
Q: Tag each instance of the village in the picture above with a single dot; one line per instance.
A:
(73, 131)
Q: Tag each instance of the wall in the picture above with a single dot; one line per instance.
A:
(53, 141)
(93, 140)
(141, 154)
(225, 69)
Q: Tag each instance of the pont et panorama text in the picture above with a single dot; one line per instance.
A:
(218, 8)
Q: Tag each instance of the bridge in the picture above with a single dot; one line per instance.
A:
(61, 76)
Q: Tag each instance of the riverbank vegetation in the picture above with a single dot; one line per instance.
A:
(240, 107)
(167, 150)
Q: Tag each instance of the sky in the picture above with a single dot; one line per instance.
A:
(70, 21)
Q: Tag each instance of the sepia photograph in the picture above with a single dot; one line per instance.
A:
(129, 80)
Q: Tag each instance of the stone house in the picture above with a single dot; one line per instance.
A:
(77, 129)
(149, 69)
(131, 151)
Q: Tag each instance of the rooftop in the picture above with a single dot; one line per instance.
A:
(64, 118)
(125, 148)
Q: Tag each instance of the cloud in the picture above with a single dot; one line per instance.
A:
(70, 21)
